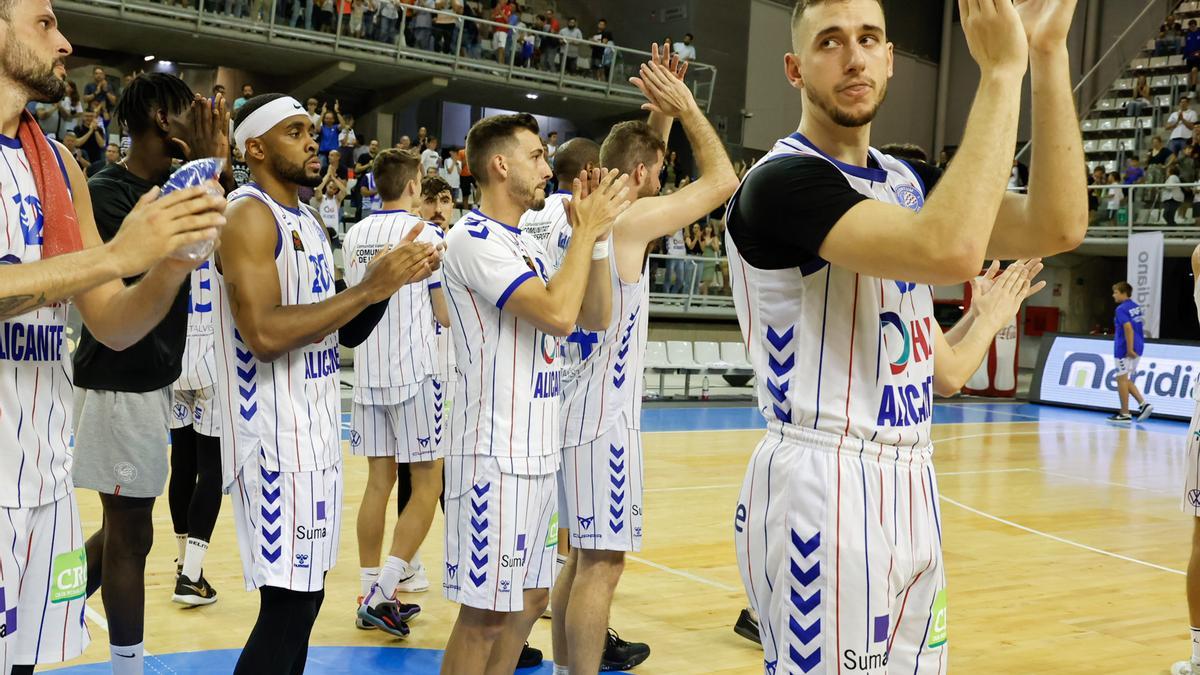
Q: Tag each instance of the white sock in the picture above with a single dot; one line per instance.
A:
(561, 670)
(393, 571)
(181, 542)
(367, 576)
(415, 563)
(127, 660)
(1196, 645)
(193, 559)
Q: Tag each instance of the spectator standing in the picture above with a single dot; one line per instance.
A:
(91, 137)
(572, 51)
(388, 18)
(370, 19)
(331, 191)
(1187, 175)
(676, 267)
(430, 159)
(72, 110)
(364, 157)
(551, 147)
(1157, 158)
(330, 132)
(1170, 37)
(684, 50)
(501, 11)
(422, 139)
(301, 9)
(422, 24)
(99, 91)
(943, 160)
(603, 35)
(1116, 196)
(310, 106)
(112, 155)
(1134, 173)
(358, 9)
(1191, 44)
(1095, 180)
(710, 246)
(466, 180)
(451, 172)
(247, 94)
(346, 136)
(444, 24)
(1172, 195)
(1182, 122)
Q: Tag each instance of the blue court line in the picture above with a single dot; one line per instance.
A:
(321, 661)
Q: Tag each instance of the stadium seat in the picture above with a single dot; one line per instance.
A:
(734, 353)
(656, 362)
(679, 354)
(708, 356)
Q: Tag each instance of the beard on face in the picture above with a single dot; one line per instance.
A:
(844, 118)
(21, 64)
(528, 196)
(292, 173)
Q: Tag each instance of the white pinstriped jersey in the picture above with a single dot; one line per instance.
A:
(835, 350)
(507, 400)
(36, 394)
(199, 362)
(400, 352)
(444, 363)
(602, 371)
(286, 411)
(538, 224)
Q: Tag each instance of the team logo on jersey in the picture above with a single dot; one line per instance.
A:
(451, 571)
(125, 472)
(505, 584)
(302, 560)
(1194, 497)
(297, 242)
(355, 439)
(181, 412)
(910, 197)
(68, 579)
(549, 348)
(937, 626)
(585, 523)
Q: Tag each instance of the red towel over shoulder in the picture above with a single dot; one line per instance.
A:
(60, 229)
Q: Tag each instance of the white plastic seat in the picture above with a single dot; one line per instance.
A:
(734, 353)
(656, 356)
(679, 355)
(708, 356)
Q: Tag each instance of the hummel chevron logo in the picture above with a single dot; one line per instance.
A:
(780, 341)
(806, 663)
(806, 577)
(804, 635)
(271, 536)
(806, 605)
(806, 548)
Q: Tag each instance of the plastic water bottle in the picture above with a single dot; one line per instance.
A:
(704, 389)
(194, 173)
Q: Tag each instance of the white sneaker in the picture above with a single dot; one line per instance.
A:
(1144, 412)
(417, 583)
(1185, 668)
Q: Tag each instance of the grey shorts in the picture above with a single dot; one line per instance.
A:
(121, 441)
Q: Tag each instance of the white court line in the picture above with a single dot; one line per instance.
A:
(102, 623)
(1061, 540)
(685, 575)
(1104, 482)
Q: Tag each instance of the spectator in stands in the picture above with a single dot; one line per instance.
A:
(99, 90)
(339, 169)
(466, 180)
(72, 110)
(346, 137)
(91, 137)
(370, 14)
(1182, 122)
(310, 107)
(603, 35)
(1187, 173)
(1095, 180)
(669, 177)
(501, 10)
(572, 51)
(386, 19)
(1170, 37)
(301, 9)
(1140, 104)
(943, 160)
(323, 15)
(112, 155)
(551, 147)
(430, 159)
(364, 157)
(422, 139)
(444, 24)
(1134, 173)
(1116, 196)
(330, 131)
(358, 9)
(331, 191)
(909, 152)
(422, 24)
(247, 94)
(549, 48)
(684, 50)
(451, 172)
(405, 143)
(71, 143)
(676, 276)
(1191, 44)
(710, 247)
(1172, 196)
(1157, 158)
(472, 43)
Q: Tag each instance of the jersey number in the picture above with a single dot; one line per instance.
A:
(322, 279)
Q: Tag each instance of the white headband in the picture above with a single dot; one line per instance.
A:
(262, 120)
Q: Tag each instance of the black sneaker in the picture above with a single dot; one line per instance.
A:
(1120, 418)
(622, 655)
(747, 626)
(193, 593)
(531, 657)
(389, 616)
(1144, 412)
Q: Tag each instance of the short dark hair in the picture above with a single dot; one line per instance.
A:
(147, 94)
(393, 169)
(906, 151)
(629, 144)
(1124, 288)
(689, 35)
(432, 186)
(574, 156)
(803, 5)
(489, 136)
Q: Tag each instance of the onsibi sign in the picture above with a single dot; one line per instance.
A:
(1080, 371)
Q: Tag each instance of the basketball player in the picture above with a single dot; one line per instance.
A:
(123, 411)
(832, 249)
(1128, 343)
(194, 490)
(1191, 505)
(600, 482)
(53, 257)
(394, 418)
(280, 319)
(506, 317)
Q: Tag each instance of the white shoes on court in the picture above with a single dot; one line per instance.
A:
(417, 583)
(1185, 668)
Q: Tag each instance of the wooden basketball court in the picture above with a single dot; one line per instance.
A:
(1064, 544)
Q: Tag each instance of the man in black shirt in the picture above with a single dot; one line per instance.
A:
(112, 155)
(124, 396)
(92, 136)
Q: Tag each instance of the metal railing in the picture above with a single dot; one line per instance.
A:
(1142, 209)
(680, 290)
(467, 50)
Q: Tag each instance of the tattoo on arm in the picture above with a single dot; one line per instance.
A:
(16, 305)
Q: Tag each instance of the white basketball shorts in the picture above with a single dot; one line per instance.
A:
(600, 491)
(1127, 366)
(196, 408)
(1191, 483)
(288, 525)
(839, 545)
(43, 581)
(411, 431)
(501, 534)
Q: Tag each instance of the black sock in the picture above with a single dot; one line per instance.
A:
(183, 476)
(128, 535)
(206, 496)
(279, 642)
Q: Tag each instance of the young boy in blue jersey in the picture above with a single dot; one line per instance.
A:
(1127, 348)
